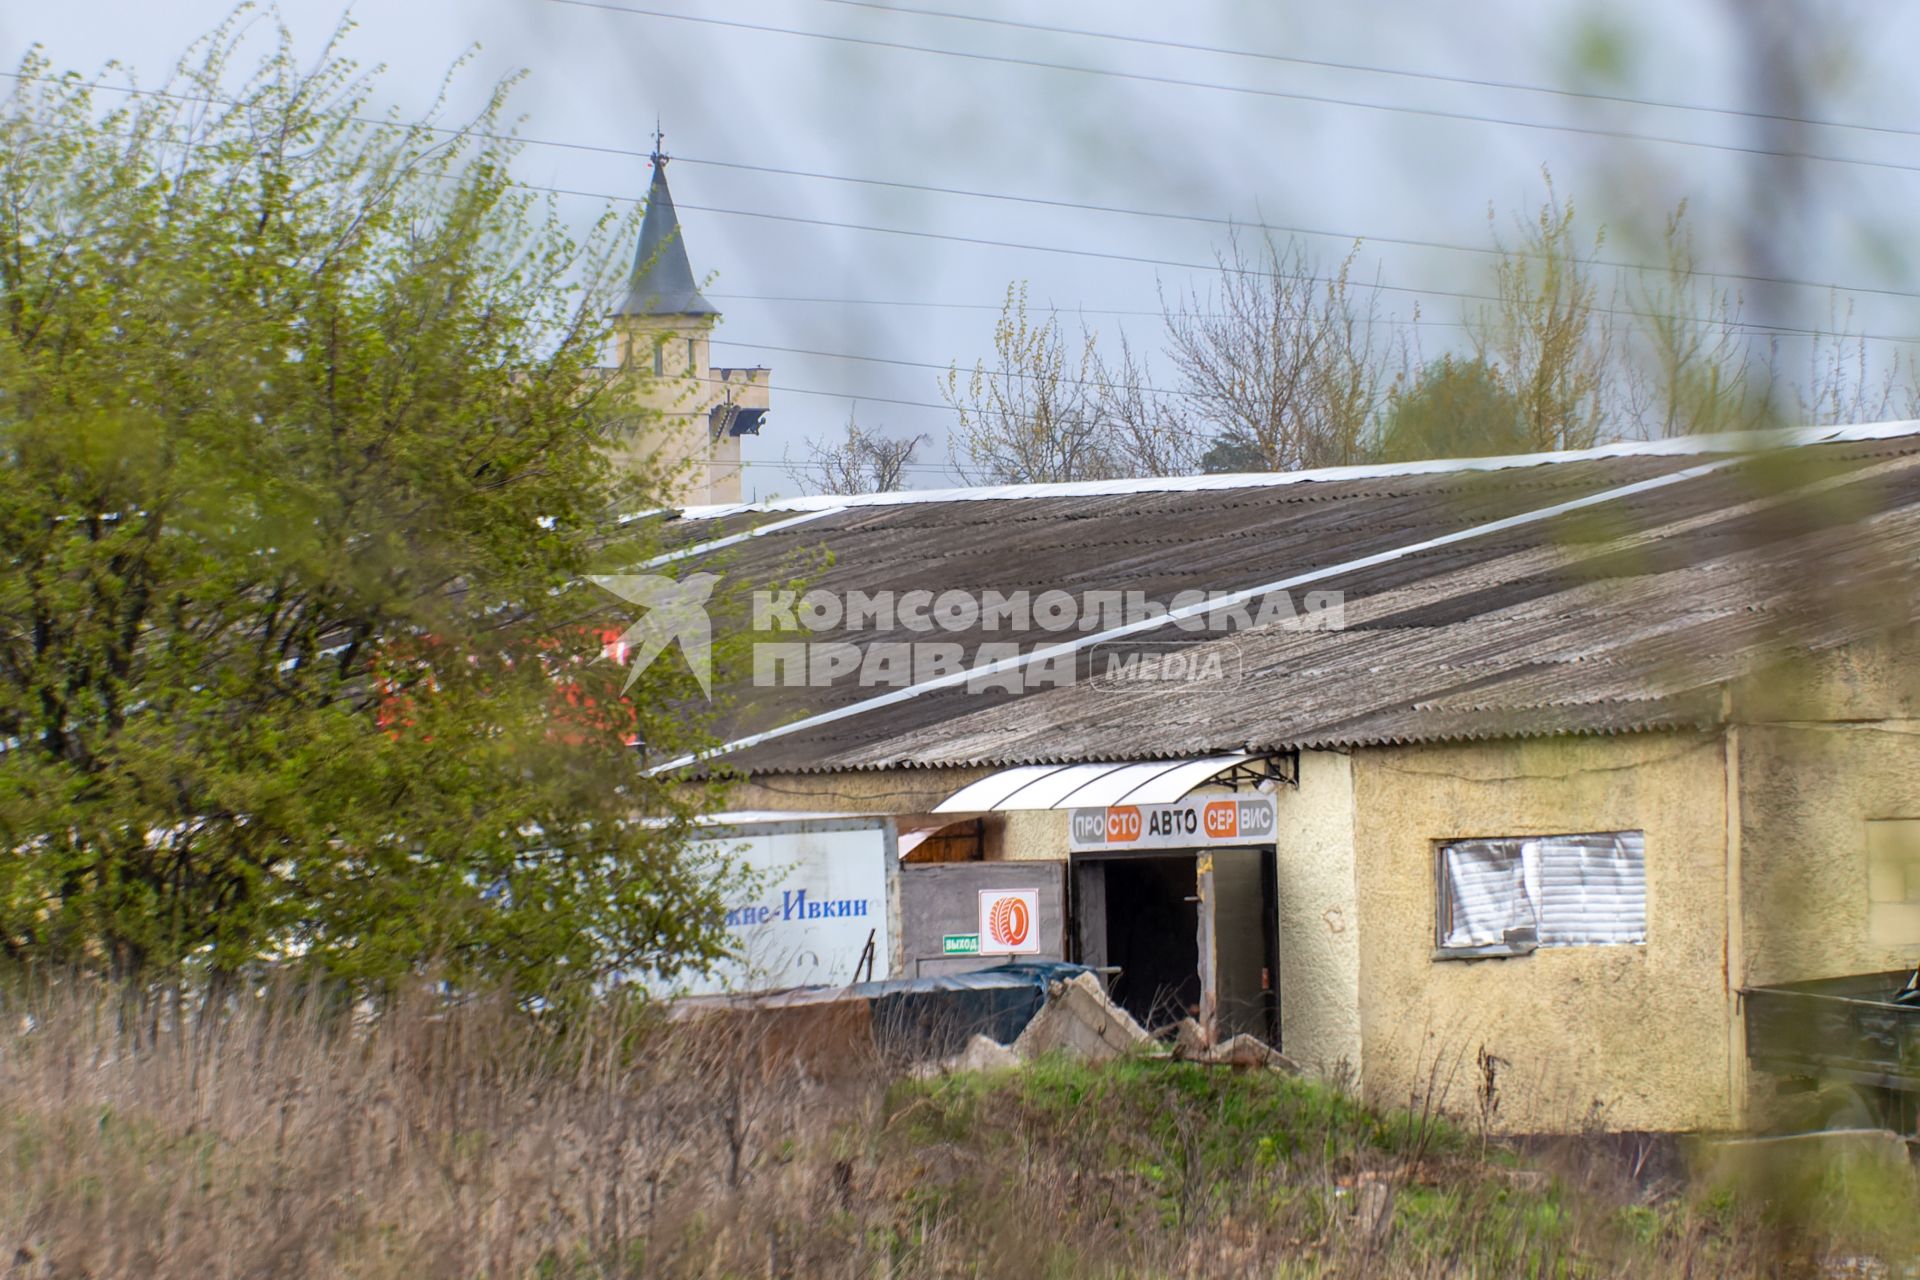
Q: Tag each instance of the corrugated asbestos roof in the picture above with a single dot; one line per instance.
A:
(1584, 594)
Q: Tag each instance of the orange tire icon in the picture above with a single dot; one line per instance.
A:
(1008, 922)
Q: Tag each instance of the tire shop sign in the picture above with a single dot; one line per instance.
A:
(1195, 822)
(1009, 922)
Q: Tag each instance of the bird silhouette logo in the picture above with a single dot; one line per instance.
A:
(676, 613)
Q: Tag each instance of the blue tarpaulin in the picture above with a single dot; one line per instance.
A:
(934, 1017)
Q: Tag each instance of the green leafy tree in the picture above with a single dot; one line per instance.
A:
(1233, 453)
(1452, 409)
(1549, 333)
(302, 433)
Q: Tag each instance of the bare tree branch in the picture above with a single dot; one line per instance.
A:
(862, 461)
(1281, 363)
(1035, 415)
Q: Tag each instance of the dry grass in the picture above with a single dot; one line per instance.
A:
(286, 1139)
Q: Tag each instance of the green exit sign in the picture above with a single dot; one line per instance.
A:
(960, 944)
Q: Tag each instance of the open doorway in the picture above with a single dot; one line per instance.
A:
(1152, 937)
(1183, 934)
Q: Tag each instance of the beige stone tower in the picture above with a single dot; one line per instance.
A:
(695, 413)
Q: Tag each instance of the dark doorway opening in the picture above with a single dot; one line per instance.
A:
(1183, 934)
(1151, 928)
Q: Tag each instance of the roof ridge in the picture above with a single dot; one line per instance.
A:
(1680, 446)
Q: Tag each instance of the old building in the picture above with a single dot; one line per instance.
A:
(1496, 780)
(691, 414)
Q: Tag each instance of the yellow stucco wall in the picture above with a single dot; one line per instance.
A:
(1626, 1037)
(1319, 933)
(1826, 748)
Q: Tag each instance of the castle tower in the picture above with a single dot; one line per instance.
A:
(696, 413)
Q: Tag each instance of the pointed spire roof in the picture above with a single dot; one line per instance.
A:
(662, 283)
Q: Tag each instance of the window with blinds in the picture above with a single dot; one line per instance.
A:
(1509, 896)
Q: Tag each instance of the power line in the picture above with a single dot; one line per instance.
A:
(800, 466)
(1744, 326)
(1287, 94)
(1044, 201)
(911, 302)
(1420, 321)
(1464, 295)
(1212, 220)
(945, 368)
(1476, 82)
(850, 395)
(1749, 326)
(1356, 237)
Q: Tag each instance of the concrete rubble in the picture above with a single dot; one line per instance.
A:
(984, 1053)
(1190, 1044)
(1079, 1021)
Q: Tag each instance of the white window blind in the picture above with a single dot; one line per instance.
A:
(1549, 891)
(1485, 886)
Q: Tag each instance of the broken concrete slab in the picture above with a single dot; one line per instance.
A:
(1190, 1044)
(1079, 1021)
(1190, 1041)
(1251, 1051)
(984, 1053)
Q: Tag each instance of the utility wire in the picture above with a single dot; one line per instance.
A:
(1475, 82)
(1464, 295)
(949, 367)
(914, 302)
(1471, 117)
(1354, 237)
(1749, 326)
(853, 395)
(1233, 223)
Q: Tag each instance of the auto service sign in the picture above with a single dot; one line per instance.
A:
(1195, 822)
(1009, 922)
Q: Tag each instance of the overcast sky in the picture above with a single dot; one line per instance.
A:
(1391, 159)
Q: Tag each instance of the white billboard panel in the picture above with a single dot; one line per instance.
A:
(820, 894)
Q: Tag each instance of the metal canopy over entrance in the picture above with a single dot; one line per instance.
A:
(1170, 895)
(1101, 786)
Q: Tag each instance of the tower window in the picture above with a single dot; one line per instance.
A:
(660, 356)
(691, 367)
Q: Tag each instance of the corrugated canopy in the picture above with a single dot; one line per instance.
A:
(1087, 786)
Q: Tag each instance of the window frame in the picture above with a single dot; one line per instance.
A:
(1890, 921)
(1514, 948)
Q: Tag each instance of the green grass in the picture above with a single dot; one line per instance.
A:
(1152, 1152)
(437, 1144)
